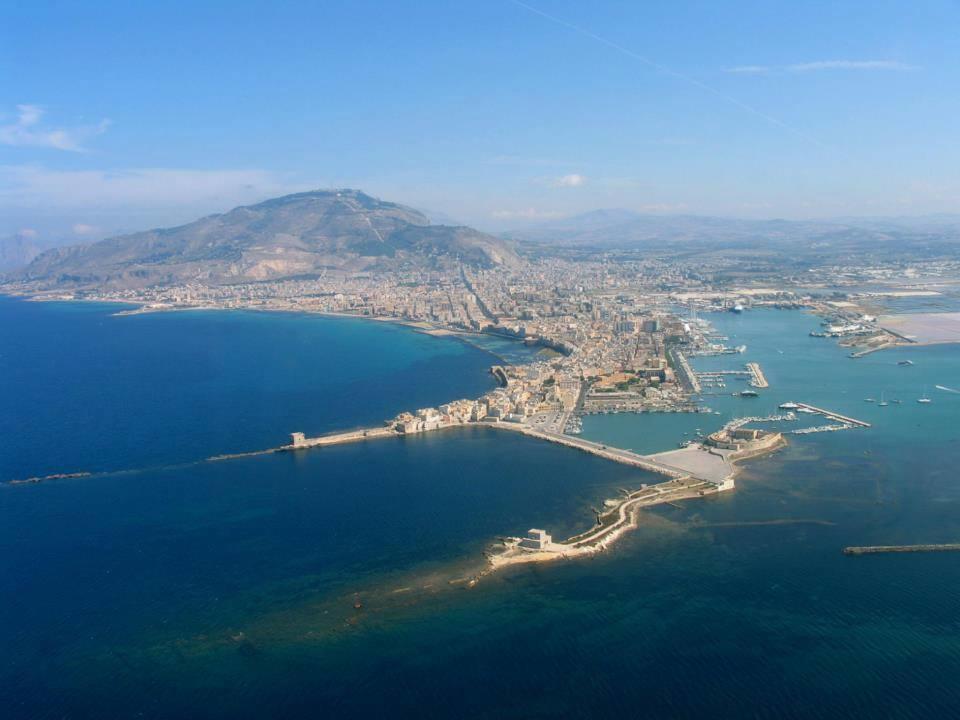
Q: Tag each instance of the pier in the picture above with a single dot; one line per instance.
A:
(686, 373)
(830, 415)
(759, 379)
(868, 350)
(752, 371)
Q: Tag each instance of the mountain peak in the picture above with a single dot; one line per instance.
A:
(300, 234)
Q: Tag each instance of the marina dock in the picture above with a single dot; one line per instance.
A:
(751, 371)
(830, 415)
(759, 379)
(685, 372)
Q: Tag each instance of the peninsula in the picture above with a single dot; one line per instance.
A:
(612, 331)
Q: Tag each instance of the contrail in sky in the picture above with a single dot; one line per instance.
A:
(667, 71)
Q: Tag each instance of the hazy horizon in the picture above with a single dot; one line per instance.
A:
(499, 115)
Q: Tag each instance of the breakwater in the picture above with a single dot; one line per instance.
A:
(301, 442)
(830, 415)
(759, 380)
(610, 527)
(881, 549)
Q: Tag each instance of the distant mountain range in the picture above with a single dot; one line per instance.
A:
(18, 250)
(624, 229)
(348, 231)
(295, 235)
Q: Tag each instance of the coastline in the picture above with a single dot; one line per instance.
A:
(422, 327)
(682, 483)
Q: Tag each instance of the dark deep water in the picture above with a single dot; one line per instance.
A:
(225, 590)
(84, 390)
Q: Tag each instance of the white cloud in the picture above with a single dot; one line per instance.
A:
(850, 65)
(569, 181)
(820, 65)
(84, 229)
(27, 131)
(29, 115)
(748, 70)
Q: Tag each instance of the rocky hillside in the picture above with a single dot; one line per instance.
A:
(295, 235)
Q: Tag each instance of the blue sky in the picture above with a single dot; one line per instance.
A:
(122, 115)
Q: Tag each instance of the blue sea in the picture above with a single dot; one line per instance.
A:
(163, 586)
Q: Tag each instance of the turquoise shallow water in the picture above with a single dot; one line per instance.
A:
(815, 371)
(226, 590)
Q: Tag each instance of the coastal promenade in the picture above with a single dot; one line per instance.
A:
(625, 457)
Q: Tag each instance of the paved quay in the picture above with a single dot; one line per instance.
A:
(711, 465)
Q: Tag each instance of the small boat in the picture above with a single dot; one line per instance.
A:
(356, 601)
(869, 400)
(882, 403)
(749, 393)
(923, 399)
(789, 406)
(905, 362)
